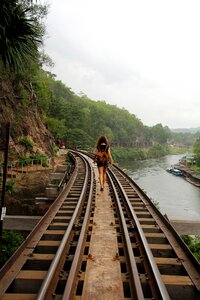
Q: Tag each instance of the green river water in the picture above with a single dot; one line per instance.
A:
(177, 198)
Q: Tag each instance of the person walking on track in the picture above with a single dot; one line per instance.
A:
(102, 158)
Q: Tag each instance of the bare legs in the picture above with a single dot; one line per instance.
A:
(102, 176)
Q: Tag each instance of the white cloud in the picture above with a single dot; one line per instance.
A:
(141, 55)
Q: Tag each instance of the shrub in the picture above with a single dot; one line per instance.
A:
(128, 153)
(24, 160)
(193, 243)
(11, 240)
(55, 148)
(27, 143)
(10, 187)
(157, 151)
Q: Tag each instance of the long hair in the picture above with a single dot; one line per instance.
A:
(102, 139)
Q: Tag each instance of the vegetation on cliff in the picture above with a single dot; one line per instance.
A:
(42, 109)
(193, 242)
(21, 33)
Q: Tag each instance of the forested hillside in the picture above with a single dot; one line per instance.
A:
(79, 121)
(42, 109)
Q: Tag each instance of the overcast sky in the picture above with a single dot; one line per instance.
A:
(140, 55)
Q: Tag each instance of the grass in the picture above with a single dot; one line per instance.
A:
(179, 150)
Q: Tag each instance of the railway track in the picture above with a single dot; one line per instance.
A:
(58, 259)
(47, 263)
(166, 269)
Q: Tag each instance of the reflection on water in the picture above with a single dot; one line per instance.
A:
(177, 198)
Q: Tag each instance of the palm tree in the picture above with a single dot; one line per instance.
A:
(20, 35)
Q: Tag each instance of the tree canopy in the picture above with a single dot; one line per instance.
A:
(76, 119)
(196, 149)
(20, 34)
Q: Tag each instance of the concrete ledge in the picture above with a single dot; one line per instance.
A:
(44, 200)
(62, 152)
(58, 176)
(61, 168)
(186, 227)
(51, 192)
(26, 223)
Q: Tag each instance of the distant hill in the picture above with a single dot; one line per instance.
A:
(187, 130)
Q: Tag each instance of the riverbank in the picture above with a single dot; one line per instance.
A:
(139, 154)
(190, 175)
(155, 151)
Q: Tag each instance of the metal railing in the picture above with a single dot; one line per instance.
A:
(20, 167)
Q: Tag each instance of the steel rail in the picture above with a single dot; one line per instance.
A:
(71, 280)
(31, 240)
(161, 288)
(174, 238)
(138, 293)
(65, 176)
(46, 287)
(63, 180)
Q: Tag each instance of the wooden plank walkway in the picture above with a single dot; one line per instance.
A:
(103, 277)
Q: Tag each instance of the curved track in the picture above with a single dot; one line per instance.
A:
(50, 259)
(53, 262)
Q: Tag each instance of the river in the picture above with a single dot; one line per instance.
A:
(176, 197)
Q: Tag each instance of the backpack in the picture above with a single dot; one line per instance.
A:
(102, 156)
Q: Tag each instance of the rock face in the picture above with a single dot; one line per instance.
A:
(18, 105)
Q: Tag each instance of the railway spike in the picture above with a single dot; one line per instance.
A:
(89, 256)
(116, 257)
(180, 259)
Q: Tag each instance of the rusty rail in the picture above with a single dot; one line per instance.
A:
(134, 272)
(159, 290)
(49, 284)
(71, 282)
(31, 254)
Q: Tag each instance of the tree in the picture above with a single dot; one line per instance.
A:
(159, 133)
(20, 35)
(79, 138)
(196, 149)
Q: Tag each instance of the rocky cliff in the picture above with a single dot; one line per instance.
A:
(18, 105)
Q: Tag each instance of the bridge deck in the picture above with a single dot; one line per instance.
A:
(103, 278)
(28, 223)
(117, 246)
